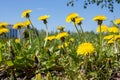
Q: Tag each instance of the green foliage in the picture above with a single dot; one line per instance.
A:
(102, 3)
(24, 57)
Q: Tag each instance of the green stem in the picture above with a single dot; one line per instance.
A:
(19, 33)
(46, 35)
(100, 54)
(76, 29)
(30, 38)
(116, 51)
(85, 63)
(83, 33)
(31, 23)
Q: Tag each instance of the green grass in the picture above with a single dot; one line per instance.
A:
(28, 59)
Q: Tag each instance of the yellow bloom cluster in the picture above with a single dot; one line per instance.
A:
(71, 16)
(17, 40)
(60, 27)
(78, 20)
(110, 41)
(63, 45)
(43, 17)
(3, 24)
(104, 28)
(108, 37)
(26, 23)
(117, 21)
(25, 13)
(112, 38)
(85, 49)
(113, 29)
(74, 17)
(99, 17)
(50, 38)
(62, 35)
(71, 39)
(18, 25)
(3, 30)
(117, 37)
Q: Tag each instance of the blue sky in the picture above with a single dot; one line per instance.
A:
(10, 11)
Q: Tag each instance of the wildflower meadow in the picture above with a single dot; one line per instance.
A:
(60, 55)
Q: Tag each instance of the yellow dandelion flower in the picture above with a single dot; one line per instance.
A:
(117, 37)
(17, 40)
(60, 27)
(50, 38)
(108, 37)
(117, 21)
(3, 30)
(112, 38)
(113, 29)
(63, 45)
(99, 17)
(71, 39)
(60, 46)
(104, 28)
(3, 24)
(45, 17)
(78, 20)
(85, 49)
(62, 35)
(18, 25)
(111, 41)
(71, 17)
(26, 23)
(66, 44)
(26, 13)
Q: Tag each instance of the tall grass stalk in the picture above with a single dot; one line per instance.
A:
(46, 35)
